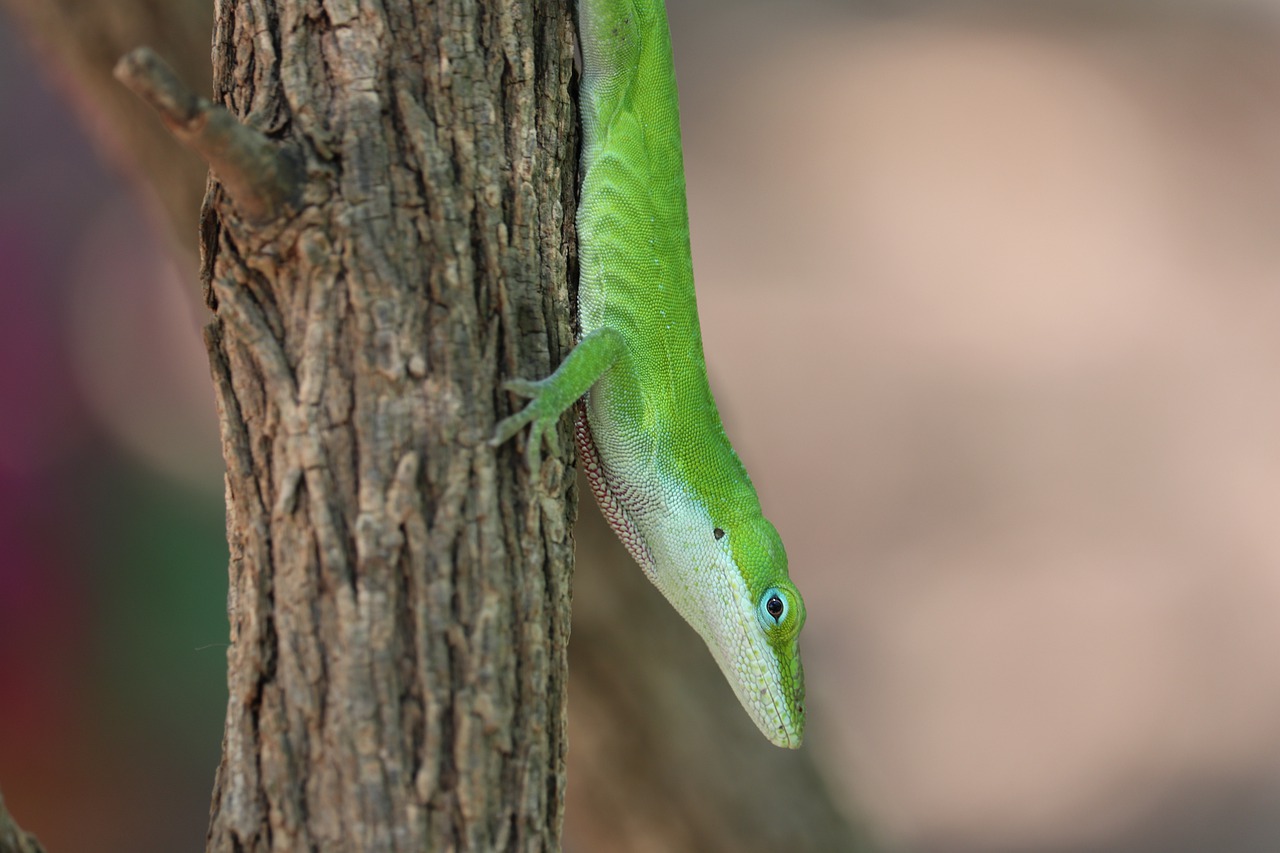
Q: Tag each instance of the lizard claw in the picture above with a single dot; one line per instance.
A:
(542, 427)
(509, 426)
(523, 387)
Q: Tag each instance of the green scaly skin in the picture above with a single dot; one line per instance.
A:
(649, 433)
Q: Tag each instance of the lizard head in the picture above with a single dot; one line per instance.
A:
(752, 622)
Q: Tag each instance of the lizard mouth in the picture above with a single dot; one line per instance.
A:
(783, 724)
(777, 712)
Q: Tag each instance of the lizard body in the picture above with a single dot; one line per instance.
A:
(649, 433)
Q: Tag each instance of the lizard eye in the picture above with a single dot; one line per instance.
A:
(773, 607)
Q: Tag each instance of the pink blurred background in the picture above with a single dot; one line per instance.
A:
(113, 626)
(992, 307)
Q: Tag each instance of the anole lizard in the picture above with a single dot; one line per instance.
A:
(649, 434)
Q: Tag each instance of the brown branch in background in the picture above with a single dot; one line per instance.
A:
(261, 178)
(12, 838)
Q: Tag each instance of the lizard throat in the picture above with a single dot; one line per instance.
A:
(608, 494)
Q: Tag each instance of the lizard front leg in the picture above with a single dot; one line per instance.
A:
(550, 397)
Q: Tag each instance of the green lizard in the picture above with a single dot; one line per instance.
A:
(649, 434)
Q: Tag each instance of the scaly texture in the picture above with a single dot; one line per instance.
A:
(667, 478)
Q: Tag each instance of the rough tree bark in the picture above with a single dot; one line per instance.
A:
(397, 672)
(399, 595)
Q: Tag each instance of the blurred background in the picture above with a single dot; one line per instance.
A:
(113, 628)
(991, 302)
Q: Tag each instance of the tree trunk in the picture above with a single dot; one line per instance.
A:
(399, 593)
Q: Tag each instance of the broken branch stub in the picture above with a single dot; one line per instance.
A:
(262, 178)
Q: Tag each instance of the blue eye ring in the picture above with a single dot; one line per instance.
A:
(773, 608)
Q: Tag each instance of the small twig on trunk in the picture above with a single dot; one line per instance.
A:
(261, 177)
